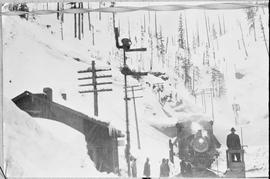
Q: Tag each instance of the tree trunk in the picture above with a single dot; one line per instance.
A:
(220, 29)
(62, 21)
(144, 23)
(187, 36)
(254, 30)
(149, 22)
(129, 36)
(89, 18)
(99, 14)
(93, 35)
(58, 8)
(224, 29)
(238, 45)
(243, 41)
(265, 42)
(198, 34)
(206, 28)
(62, 33)
(208, 22)
(82, 21)
(63, 7)
(79, 23)
(156, 35)
(151, 62)
(75, 22)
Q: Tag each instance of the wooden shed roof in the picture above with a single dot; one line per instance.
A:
(42, 97)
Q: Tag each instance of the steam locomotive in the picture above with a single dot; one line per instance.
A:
(197, 145)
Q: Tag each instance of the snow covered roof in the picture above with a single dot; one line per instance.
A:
(43, 98)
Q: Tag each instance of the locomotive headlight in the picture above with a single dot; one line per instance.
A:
(201, 140)
(200, 144)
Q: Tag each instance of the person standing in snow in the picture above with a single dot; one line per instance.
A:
(134, 168)
(167, 168)
(171, 151)
(162, 168)
(188, 170)
(233, 143)
(146, 169)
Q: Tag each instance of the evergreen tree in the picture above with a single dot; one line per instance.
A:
(251, 15)
(194, 43)
(151, 45)
(186, 68)
(214, 32)
(215, 37)
(206, 56)
(218, 82)
(23, 7)
(195, 78)
(198, 35)
(181, 38)
(161, 47)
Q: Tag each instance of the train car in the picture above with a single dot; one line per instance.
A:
(197, 146)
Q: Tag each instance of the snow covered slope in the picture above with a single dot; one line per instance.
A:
(34, 59)
(35, 147)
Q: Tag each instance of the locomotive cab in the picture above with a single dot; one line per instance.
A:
(235, 164)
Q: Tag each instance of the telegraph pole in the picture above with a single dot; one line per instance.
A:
(133, 88)
(94, 83)
(135, 112)
(127, 120)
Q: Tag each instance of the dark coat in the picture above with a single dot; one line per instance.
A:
(170, 145)
(162, 170)
(233, 142)
(166, 170)
(134, 169)
(146, 170)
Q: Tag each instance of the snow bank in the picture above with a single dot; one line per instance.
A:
(35, 147)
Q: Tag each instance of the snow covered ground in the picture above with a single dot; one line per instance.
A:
(37, 147)
(36, 57)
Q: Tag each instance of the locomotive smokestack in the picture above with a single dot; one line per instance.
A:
(49, 93)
